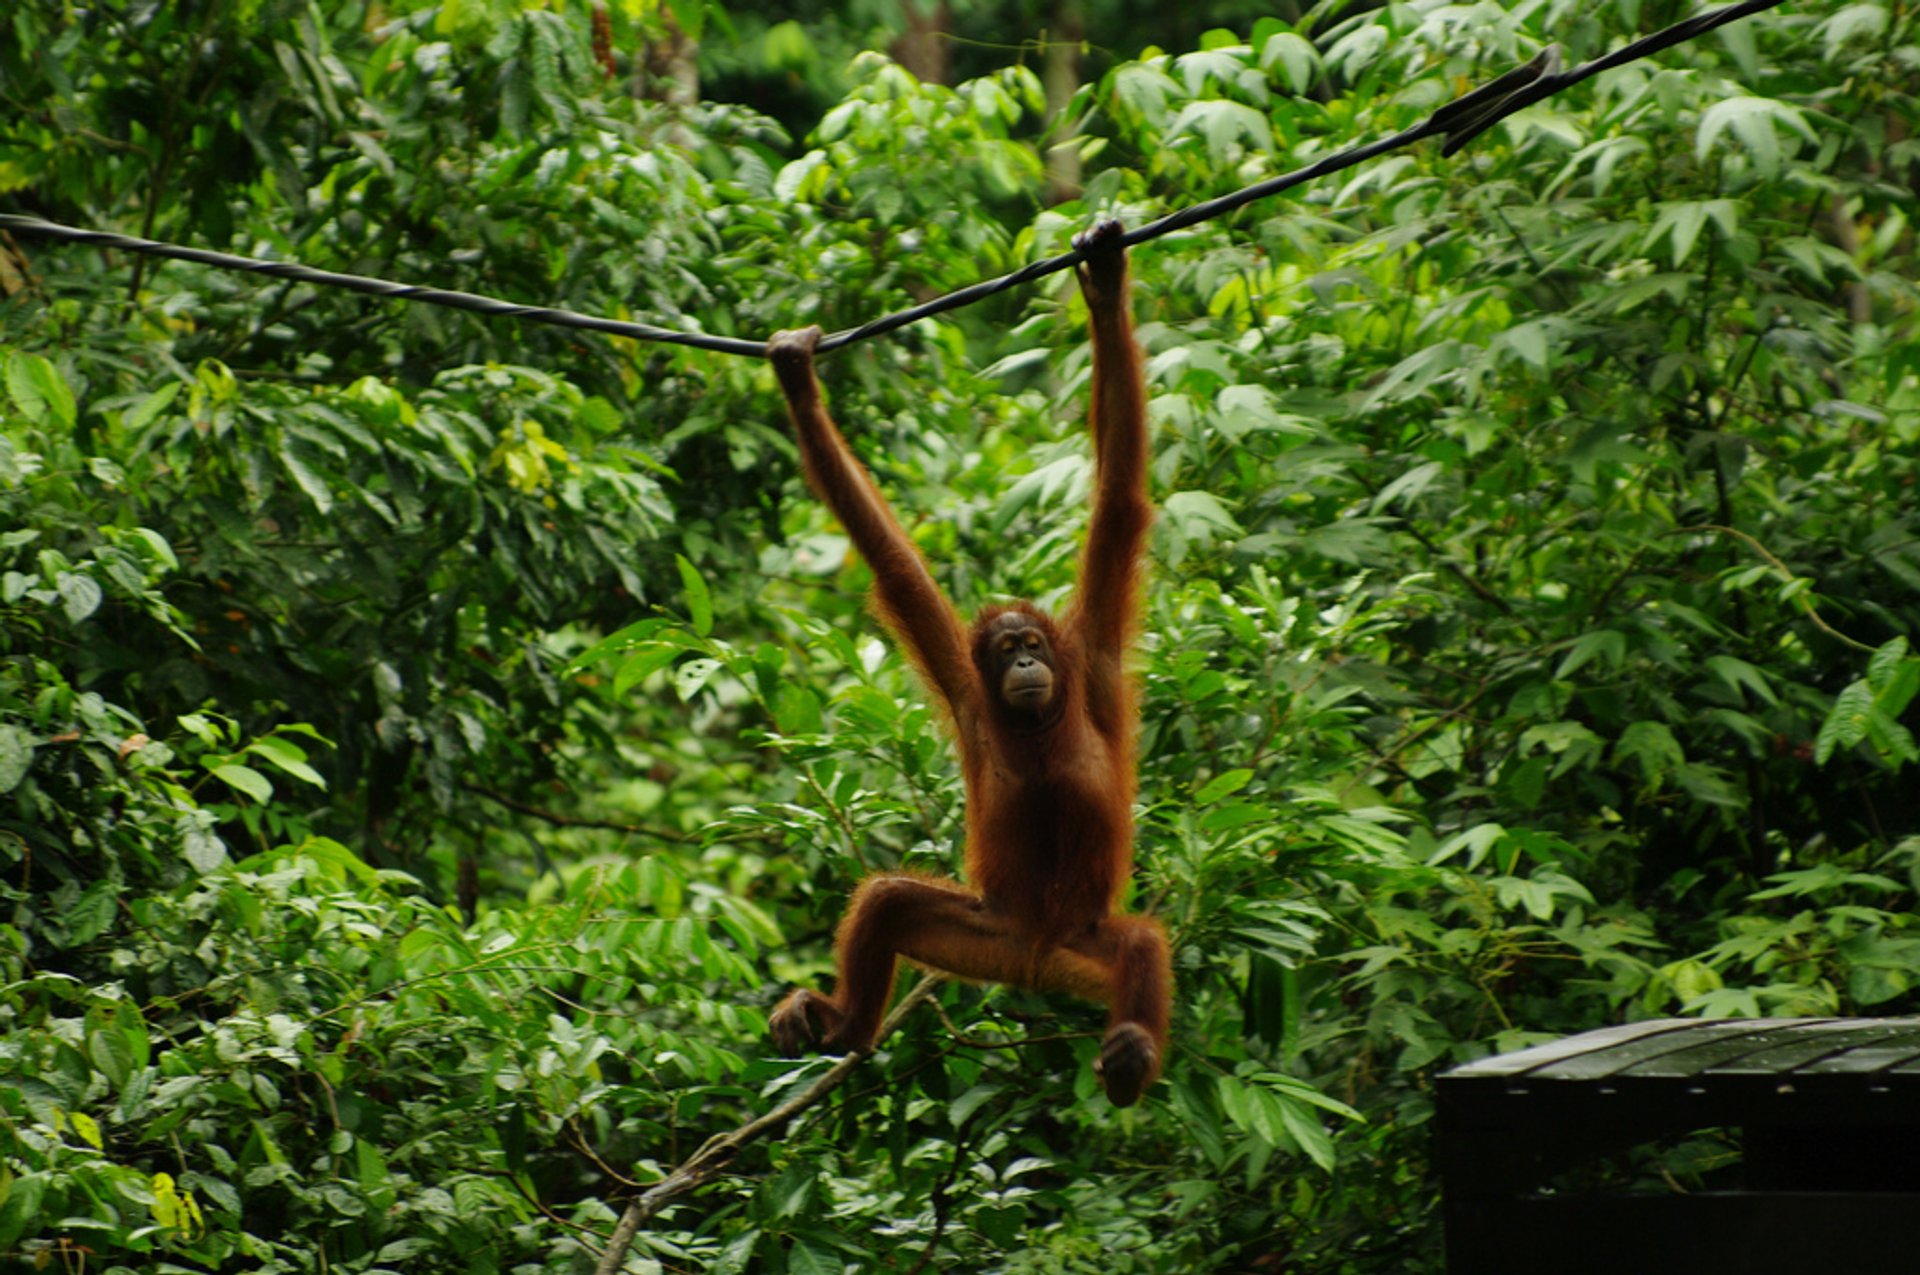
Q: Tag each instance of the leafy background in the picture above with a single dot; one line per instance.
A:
(428, 745)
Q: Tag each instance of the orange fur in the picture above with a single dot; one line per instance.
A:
(1049, 799)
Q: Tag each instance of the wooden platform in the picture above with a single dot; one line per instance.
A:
(1830, 1110)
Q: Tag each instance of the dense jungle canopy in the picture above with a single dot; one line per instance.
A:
(429, 744)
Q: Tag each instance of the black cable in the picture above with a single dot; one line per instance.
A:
(1459, 121)
(1548, 84)
(380, 287)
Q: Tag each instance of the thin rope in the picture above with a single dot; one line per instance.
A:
(1459, 121)
(471, 301)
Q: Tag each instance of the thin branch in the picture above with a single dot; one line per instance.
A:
(571, 1131)
(969, 1042)
(1806, 603)
(718, 1151)
(942, 1201)
(571, 821)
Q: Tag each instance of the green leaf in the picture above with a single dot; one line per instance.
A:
(1228, 127)
(112, 1054)
(1855, 24)
(699, 601)
(20, 1205)
(202, 847)
(659, 886)
(1196, 519)
(1543, 892)
(1894, 677)
(805, 179)
(16, 755)
(1691, 979)
(1408, 487)
(1633, 294)
(1354, 53)
(1739, 675)
(1652, 745)
(691, 15)
(1750, 729)
(1222, 785)
(80, 595)
(311, 483)
(1240, 410)
(398, 1252)
(285, 755)
(93, 913)
(1711, 785)
(1890, 739)
(787, 47)
(1306, 1130)
(1478, 841)
(961, 1109)
(1002, 1224)
(690, 676)
(246, 779)
(1876, 984)
(1145, 91)
(39, 391)
(1754, 122)
(734, 1258)
(1418, 373)
(1846, 723)
(1294, 1089)
(156, 545)
(1885, 661)
(1237, 1102)
(147, 409)
(1824, 878)
(642, 664)
(1363, 834)
(1606, 644)
(1820, 263)
(797, 709)
(620, 640)
(1681, 223)
(1531, 342)
(1572, 742)
(804, 1259)
(1296, 56)
(88, 1128)
(1235, 814)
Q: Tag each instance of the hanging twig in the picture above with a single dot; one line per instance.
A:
(559, 820)
(1786, 572)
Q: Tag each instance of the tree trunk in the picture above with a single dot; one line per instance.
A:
(922, 48)
(603, 39)
(1060, 74)
(670, 71)
(1846, 236)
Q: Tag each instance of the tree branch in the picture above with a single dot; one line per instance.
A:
(1806, 603)
(713, 1156)
(559, 820)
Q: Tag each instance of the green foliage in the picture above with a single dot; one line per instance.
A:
(427, 746)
